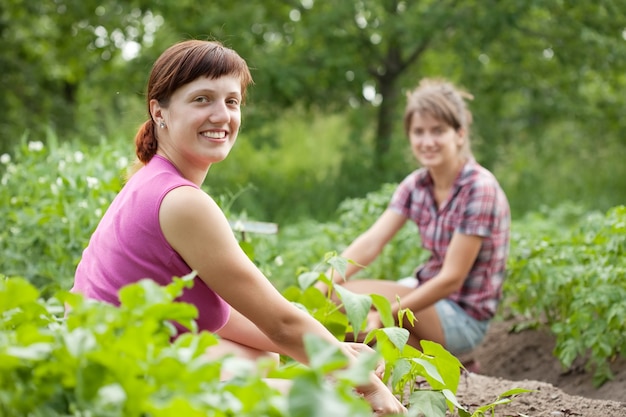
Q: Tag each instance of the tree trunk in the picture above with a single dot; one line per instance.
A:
(385, 121)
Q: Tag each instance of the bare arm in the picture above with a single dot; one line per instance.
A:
(366, 247)
(243, 331)
(197, 229)
(458, 261)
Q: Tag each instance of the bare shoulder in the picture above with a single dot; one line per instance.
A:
(187, 202)
(197, 229)
(187, 214)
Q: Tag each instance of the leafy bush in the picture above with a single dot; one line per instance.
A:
(108, 361)
(54, 197)
(573, 278)
(302, 246)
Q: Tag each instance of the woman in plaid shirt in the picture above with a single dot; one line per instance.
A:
(463, 219)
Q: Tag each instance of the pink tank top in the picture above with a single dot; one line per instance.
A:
(128, 245)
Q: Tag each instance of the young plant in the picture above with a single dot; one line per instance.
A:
(106, 361)
(572, 278)
(406, 368)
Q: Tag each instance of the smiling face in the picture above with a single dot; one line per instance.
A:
(435, 144)
(202, 120)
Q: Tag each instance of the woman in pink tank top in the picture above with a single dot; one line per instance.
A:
(162, 224)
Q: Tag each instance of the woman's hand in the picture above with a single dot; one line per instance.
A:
(379, 396)
(355, 349)
(381, 399)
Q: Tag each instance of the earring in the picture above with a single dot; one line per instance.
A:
(162, 124)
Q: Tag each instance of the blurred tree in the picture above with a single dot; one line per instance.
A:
(530, 62)
(70, 65)
(321, 53)
(59, 56)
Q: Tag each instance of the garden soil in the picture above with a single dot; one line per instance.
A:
(525, 360)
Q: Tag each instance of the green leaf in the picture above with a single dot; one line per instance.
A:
(15, 292)
(359, 372)
(464, 413)
(323, 355)
(307, 279)
(312, 396)
(141, 293)
(432, 374)
(79, 341)
(408, 314)
(111, 395)
(36, 351)
(357, 307)
(248, 249)
(514, 391)
(401, 369)
(451, 398)
(189, 346)
(178, 284)
(429, 403)
(337, 263)
(383, 306)
(183, 313)
(448, 365)
(9, 362)
(397, 335)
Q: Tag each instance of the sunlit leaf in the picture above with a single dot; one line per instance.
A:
(357, 307)
(383, 306)
(307, 279)
(338, 263)
(36, 351)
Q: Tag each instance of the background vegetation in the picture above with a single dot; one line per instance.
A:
(323, 120)
(567, 266)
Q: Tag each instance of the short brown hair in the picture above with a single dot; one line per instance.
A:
(440, 99)
(181, 64)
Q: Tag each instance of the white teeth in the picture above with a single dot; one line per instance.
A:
(214, 135)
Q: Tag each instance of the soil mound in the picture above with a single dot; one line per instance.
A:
(525, 360)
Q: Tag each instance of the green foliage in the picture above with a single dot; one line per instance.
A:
(101, 360)
(315, 239)
(566, 266)
(109, 361)
(63, 66)
(571, 274)
(403, 362)
(405, 366)
(548, 79)
(54, 195)
(504, 398)
(283, 164)
(533, 173)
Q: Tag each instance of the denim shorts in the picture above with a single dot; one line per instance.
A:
(461, 331)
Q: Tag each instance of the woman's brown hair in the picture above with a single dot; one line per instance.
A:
(440, 99)
(178, 65)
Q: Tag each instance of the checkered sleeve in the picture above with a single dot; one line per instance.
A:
(401, 199)
(481, 209)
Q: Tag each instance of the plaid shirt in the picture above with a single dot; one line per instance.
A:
(477, 206)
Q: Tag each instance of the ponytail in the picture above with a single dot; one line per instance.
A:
(146, 145)
(146, 142)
